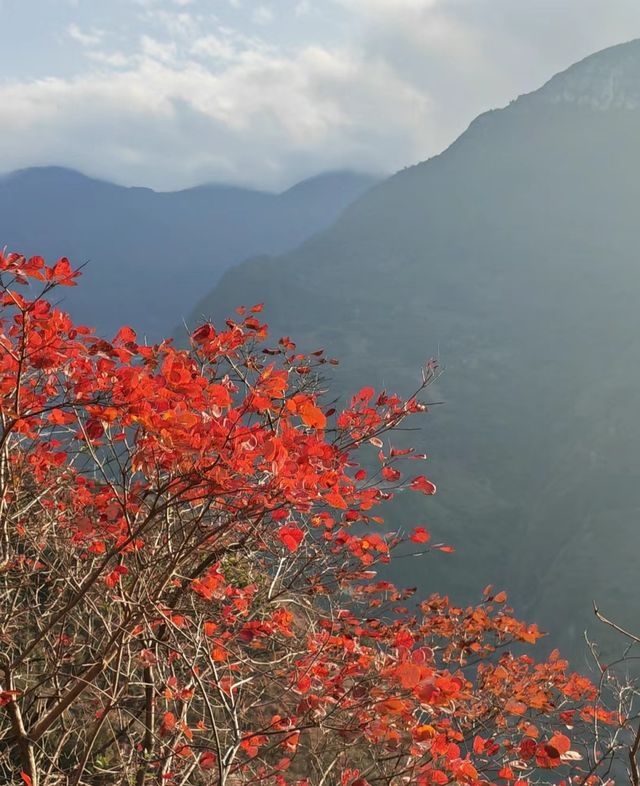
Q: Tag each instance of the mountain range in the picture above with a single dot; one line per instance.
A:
(514, 258)
(150, 255)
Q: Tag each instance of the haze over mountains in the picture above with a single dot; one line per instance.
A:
(514, 256)
(151, 254)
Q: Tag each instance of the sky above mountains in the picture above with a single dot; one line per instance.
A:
(169, 93)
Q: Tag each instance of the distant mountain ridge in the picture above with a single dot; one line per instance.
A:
(152, 254)
(515, 256)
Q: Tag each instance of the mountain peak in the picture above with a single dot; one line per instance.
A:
(609, 79)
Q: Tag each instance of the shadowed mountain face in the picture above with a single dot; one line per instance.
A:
(151, 255)
(515, 257)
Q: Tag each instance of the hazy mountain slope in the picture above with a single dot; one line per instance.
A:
(151, 254)
(514, 255)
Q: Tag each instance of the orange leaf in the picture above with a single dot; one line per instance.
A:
(312, 416)
(561, 743)
(409, 674)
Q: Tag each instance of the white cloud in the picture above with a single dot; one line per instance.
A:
(84, 37)
(163, 51)
(181, 96)
(218, 47)
(229, 45)
(178, 24)
(263, 118)
(111, 59)
(262, 15)
(472, 55)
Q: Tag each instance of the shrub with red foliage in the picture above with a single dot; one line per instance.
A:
(188, 592)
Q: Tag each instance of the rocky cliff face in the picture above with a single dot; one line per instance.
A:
(605, 80)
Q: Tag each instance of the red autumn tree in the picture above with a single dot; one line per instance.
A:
(188, 588)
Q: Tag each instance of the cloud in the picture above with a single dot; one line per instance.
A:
(184, 95)
(228, 44)
(472, 55)
(162, 51)
(110, 59)
(84, 37)
(263, 15)
(263, 118)
(216, 47)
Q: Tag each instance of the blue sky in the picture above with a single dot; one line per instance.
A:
(168, 93)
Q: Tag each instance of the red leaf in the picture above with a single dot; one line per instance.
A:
(203, 333)
(364, 396)
(391, 474)
(420, 535)
(208, 760)
(168, 723)
(125, 335)
(7, 696)
(527, 749)
(60, 418)
(291, 537)
(114, 577)
(64, 274)
(422, 484)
